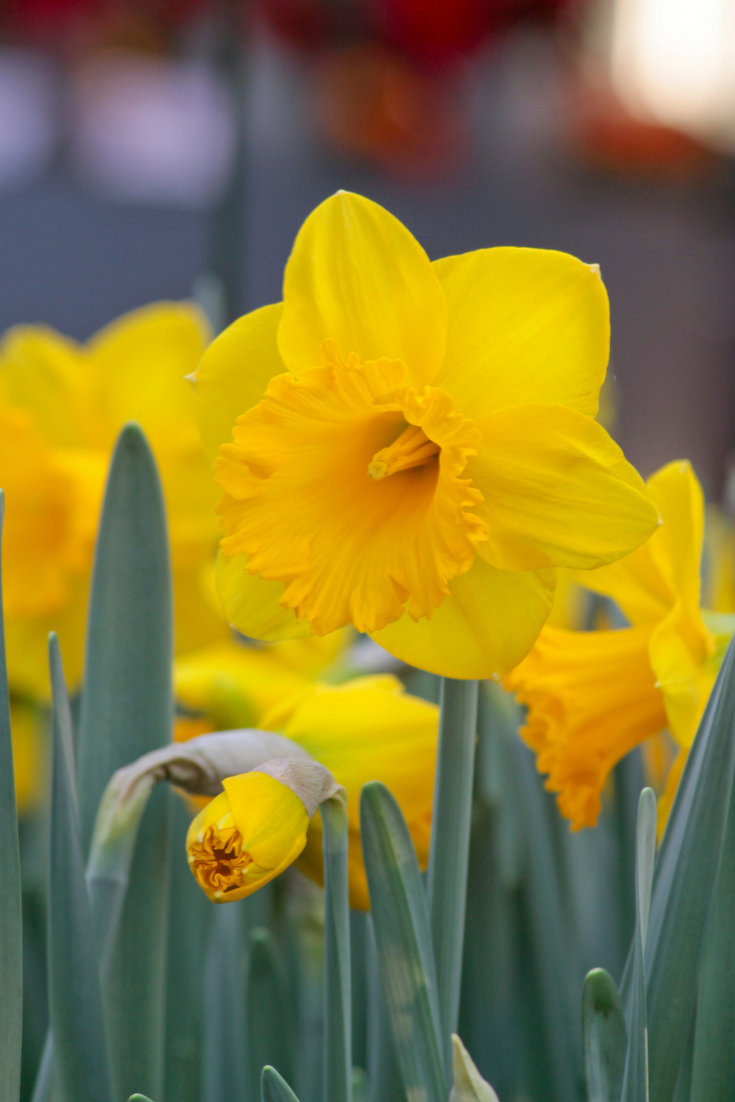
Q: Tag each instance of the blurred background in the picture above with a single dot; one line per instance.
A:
(143, 144)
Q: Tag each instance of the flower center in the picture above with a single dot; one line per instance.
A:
(350, 548)
(412, 449)
(218, 860)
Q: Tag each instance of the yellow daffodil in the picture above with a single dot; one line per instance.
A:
(410, 447)
(246, 836)
(62, 406)
(229, 684)
(592, 696)
(364, 730)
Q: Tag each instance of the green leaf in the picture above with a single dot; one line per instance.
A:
(126, 712)
(403, 939)
(274, 1087)
(138, 1098)
(11, 934)
(683, 885)
(189, 917)
(383, 1074)
(713, 1071)
(225, 1073)
(635, 1079)
(450, 847)
(266, 1010)
(126, 706)
(337, 969)
(604, 1037)
(75, 998)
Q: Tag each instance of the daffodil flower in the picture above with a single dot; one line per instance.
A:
(409, 447)
(368, 729)
(62, 406)
(593, 696)
(229, 684)
(256, 828)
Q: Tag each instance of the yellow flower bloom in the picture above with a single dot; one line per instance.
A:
(592, 696)
(62, 406)
(246, 836)
(367, 729)
(410, 447)
(229, 685)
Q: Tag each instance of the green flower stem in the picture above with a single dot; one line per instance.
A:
(450, 844)
(337, 976)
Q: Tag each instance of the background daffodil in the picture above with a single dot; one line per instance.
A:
(365, 730)
(230, 684)
(62, 406)
(410, 447)
(593, 696)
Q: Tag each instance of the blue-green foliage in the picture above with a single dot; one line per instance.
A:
(198, 998)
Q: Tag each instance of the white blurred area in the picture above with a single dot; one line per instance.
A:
(28, 118)
(673, 61)
(151, 130)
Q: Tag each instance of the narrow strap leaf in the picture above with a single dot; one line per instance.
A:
(337, 969)
(403, 938)
(224, 1077)
(267, 1018)
(11, 936)
(274, 1087)
(75, 997)
(635, 1079)
(713, 1070)
(126, 712)
(683, 884)
(604, 1037)
(450, 847)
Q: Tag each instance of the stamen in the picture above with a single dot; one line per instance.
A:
(413, 448)
(218, 860)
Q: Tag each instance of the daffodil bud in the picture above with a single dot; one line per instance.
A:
(257, 827)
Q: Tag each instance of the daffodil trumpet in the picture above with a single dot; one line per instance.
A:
(204, 766)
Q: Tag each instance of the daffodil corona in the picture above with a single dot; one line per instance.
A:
(593, 696)
(410, 447)
(246, 836)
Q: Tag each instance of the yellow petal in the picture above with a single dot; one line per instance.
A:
(686, 656)
(486, 625)
(270, 817)
(677, 548)
(646, 583)
(558, 491)
(591, 697)
(525, 325)
(253, 605)
(358, 276)
(139, 363)
(44, 373)
(369, 729)
(235, 684)
(234, 372)
(246, 836)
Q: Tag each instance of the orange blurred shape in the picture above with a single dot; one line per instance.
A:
(373, 104)
(608, 137)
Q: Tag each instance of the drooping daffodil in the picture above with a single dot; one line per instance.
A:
(410, 447)
(62, 405)
(365, 729)
(593, 696)
(247, 835)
